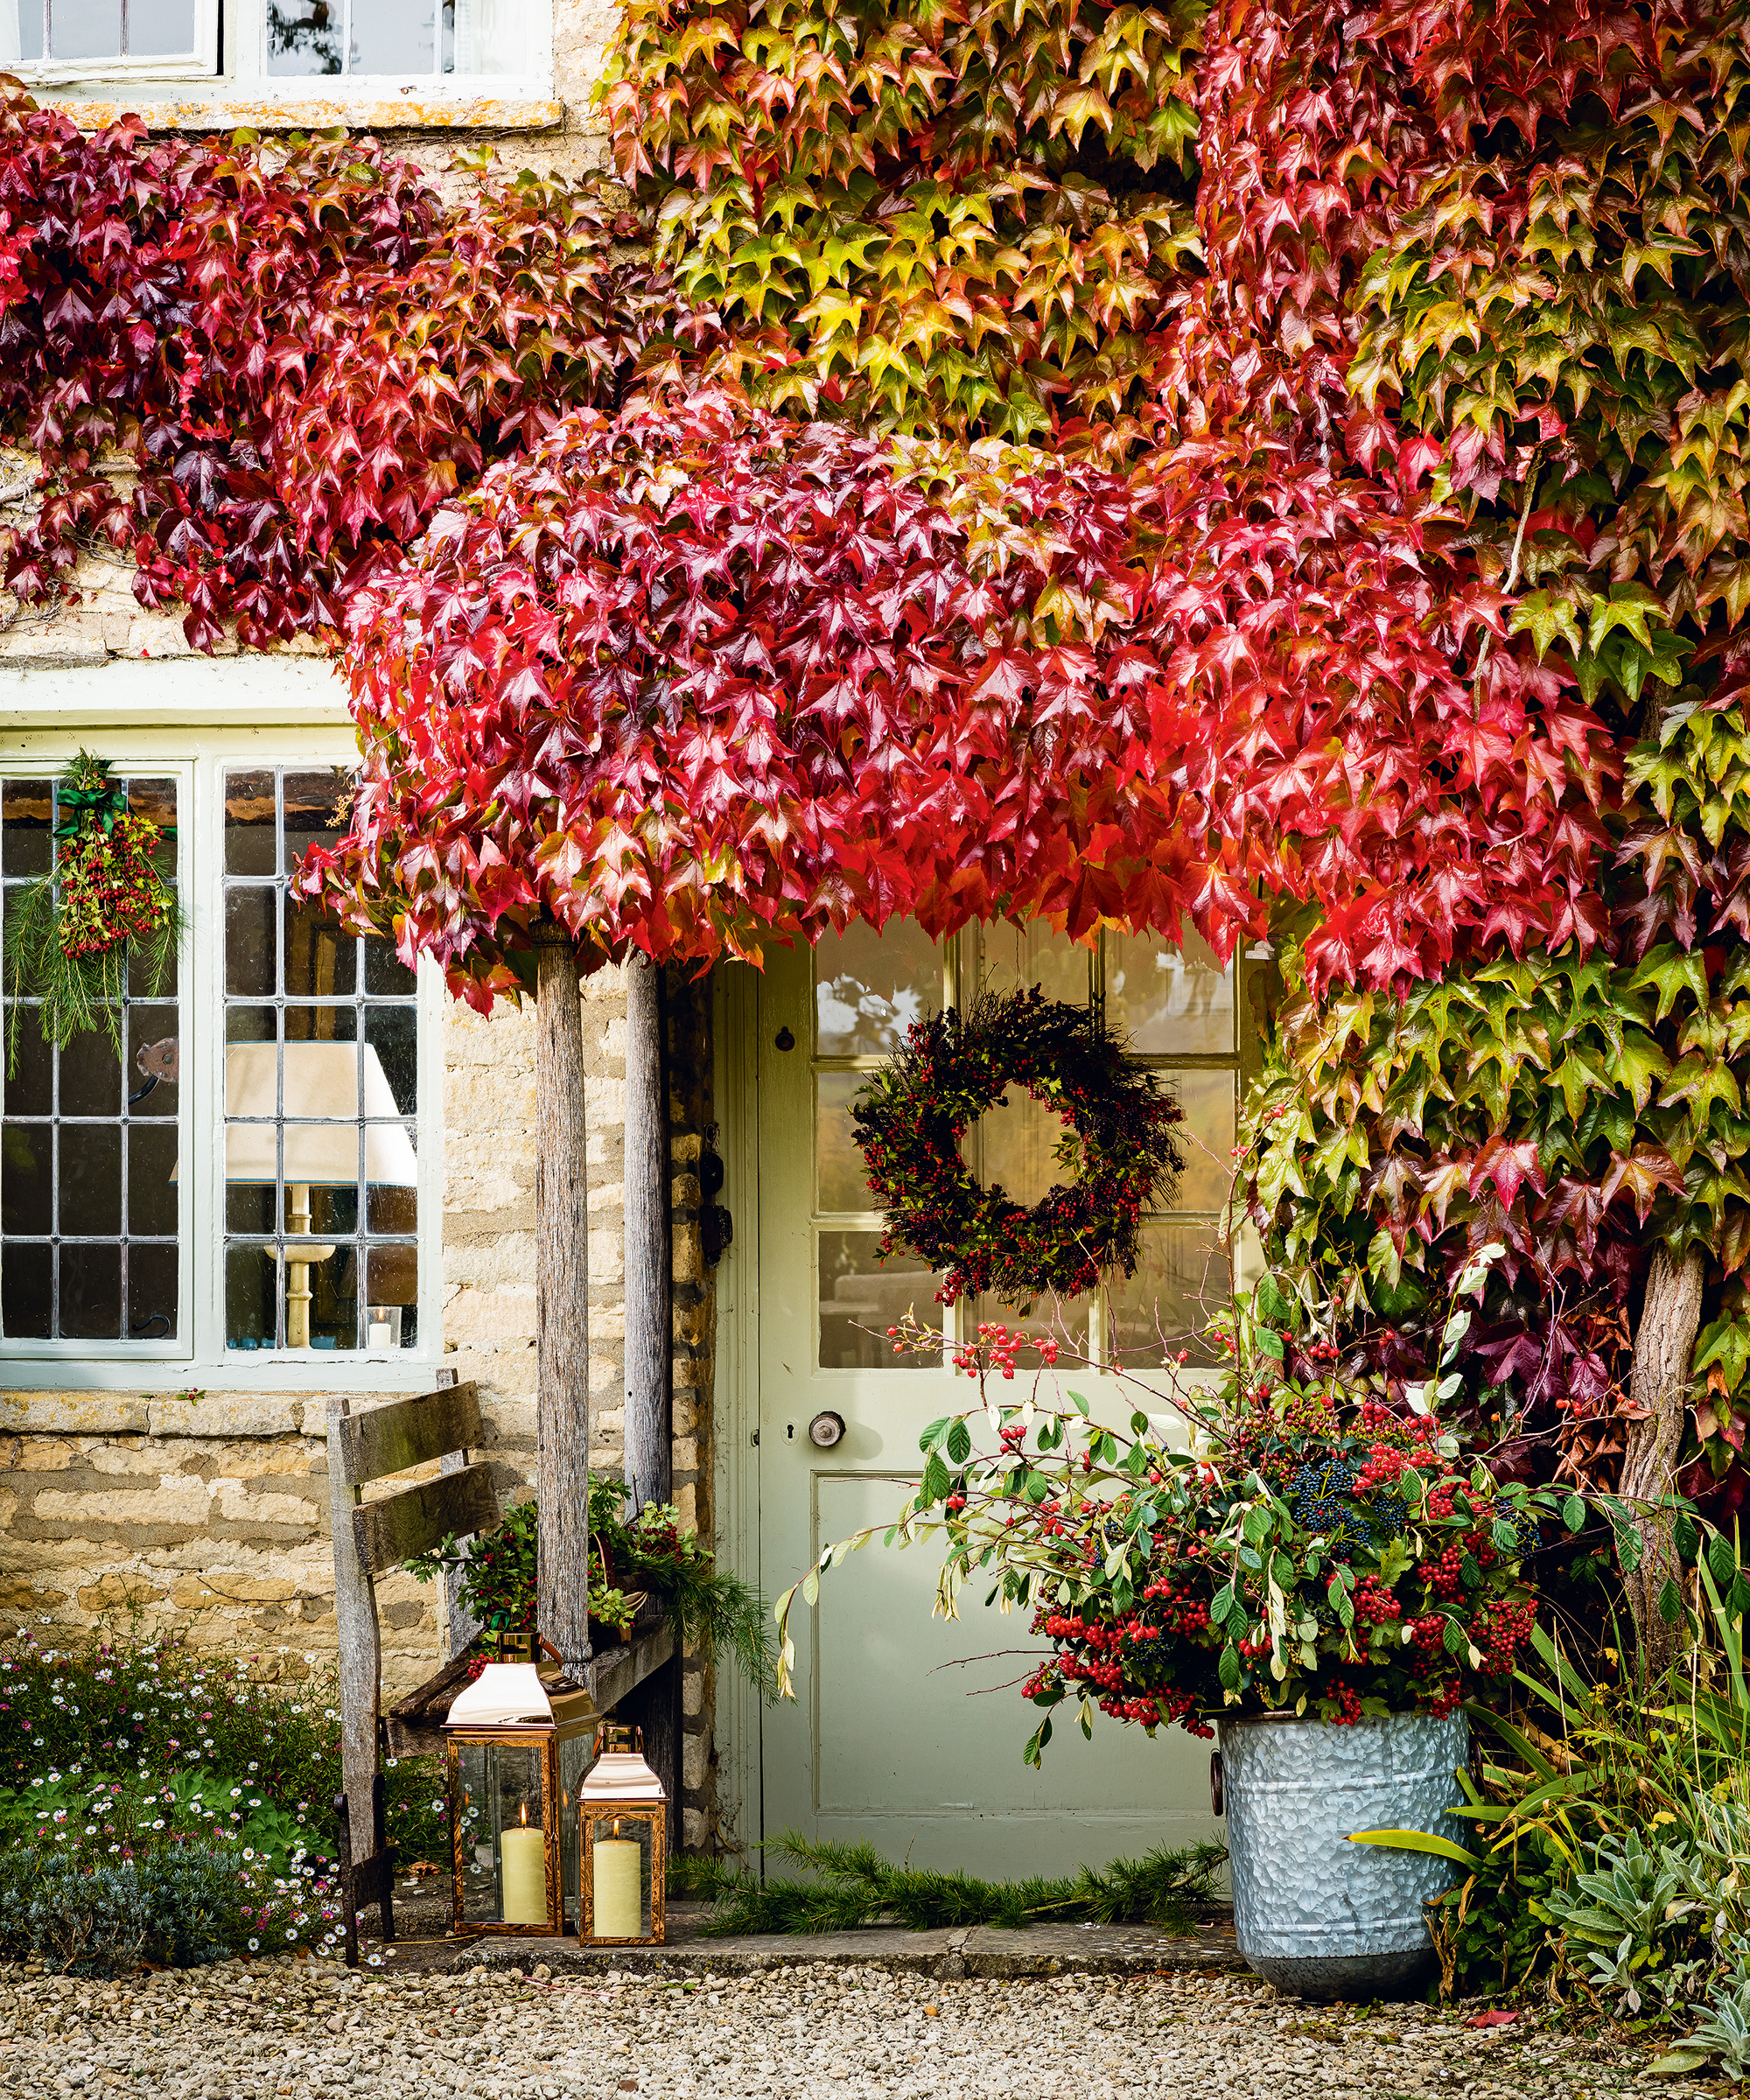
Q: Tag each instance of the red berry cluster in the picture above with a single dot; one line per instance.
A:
(1375, 1604)
(1442, 1571)
(1500, 1629)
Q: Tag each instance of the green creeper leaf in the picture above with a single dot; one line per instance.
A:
(1722, 1560)
(935, 1480)
(930, 1438)
(959, 1444)
(1506, 1537)
(1574, 1512)
(1670, 1601)
(1229, 1670)
(1452, 1637)
(1684, 1535)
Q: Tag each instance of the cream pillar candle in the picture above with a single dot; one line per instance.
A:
(524, 1853)
(619, 1894)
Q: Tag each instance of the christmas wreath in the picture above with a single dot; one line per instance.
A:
(1118, 1144)
(68, 933)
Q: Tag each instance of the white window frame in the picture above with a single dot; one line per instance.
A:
(246, 78)
(198, 754)
(199, 62)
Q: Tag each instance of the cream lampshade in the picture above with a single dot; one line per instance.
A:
(321, 1080)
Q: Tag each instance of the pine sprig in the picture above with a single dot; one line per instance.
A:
(852, 1885)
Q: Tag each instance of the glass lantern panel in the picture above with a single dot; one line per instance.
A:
(576, 1755)
(503, 1853)
(618, 1865)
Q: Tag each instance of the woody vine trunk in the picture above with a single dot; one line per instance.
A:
(1659, 1389)
(562, 1299)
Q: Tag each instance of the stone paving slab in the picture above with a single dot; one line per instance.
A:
(977, 1951)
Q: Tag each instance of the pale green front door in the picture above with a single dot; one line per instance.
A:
(907, 1731)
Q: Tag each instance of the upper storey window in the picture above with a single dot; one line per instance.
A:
(136, 34)
(268, 47)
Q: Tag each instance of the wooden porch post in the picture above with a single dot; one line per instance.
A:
(656, 1705)
(648, 1448)
(561, 1299)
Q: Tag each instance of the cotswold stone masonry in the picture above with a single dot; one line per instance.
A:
(208, 1512)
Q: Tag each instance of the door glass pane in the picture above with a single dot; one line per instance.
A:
(869, 987)
(1011, 957)
(842, 1180)
(1065, 1320)
(1206, 1137)
(251, 824)
(1019, 1144)
(1167, 1000)
(1182, 1281)
(861, 1297)
(250, 916)
(88, 1209)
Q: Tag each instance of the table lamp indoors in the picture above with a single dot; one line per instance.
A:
(316, 1119)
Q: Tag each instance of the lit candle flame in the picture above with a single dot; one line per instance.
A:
(525, 1811)
(616, 1826)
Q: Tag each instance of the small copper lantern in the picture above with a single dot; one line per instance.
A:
(518, 1746)
(621, 1849)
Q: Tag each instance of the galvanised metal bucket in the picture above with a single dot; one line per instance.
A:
(1315, 1914)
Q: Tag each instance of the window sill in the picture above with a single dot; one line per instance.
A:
(363, 112)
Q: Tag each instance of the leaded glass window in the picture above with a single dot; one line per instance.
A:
(321, 1092)
(89, 1201)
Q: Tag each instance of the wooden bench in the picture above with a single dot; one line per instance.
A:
(371, 1539)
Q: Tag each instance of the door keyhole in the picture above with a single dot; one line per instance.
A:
(784, 1039)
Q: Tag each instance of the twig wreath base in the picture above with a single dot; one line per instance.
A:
(1118, 1144)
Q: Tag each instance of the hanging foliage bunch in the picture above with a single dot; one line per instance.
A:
(108, 903)
(1118, 1152)
(632, 1554)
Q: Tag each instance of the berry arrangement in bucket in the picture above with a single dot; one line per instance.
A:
(109, 894)
(1288, 1540)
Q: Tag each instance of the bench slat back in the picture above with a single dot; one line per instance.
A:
(388, 1439)
(393, 1530)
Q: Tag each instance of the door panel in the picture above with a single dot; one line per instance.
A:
(907, 1731)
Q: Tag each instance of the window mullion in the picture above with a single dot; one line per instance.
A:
(203, 1097)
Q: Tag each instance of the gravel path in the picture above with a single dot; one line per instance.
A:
(284, 2030)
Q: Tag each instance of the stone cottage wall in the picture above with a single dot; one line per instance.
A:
(208, 1512)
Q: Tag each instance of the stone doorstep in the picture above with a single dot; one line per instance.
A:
(979, 1951)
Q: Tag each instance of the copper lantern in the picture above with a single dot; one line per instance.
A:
(622, 1852)
(517, 1746)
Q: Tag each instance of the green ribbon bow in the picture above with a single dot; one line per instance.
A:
(104, 799)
